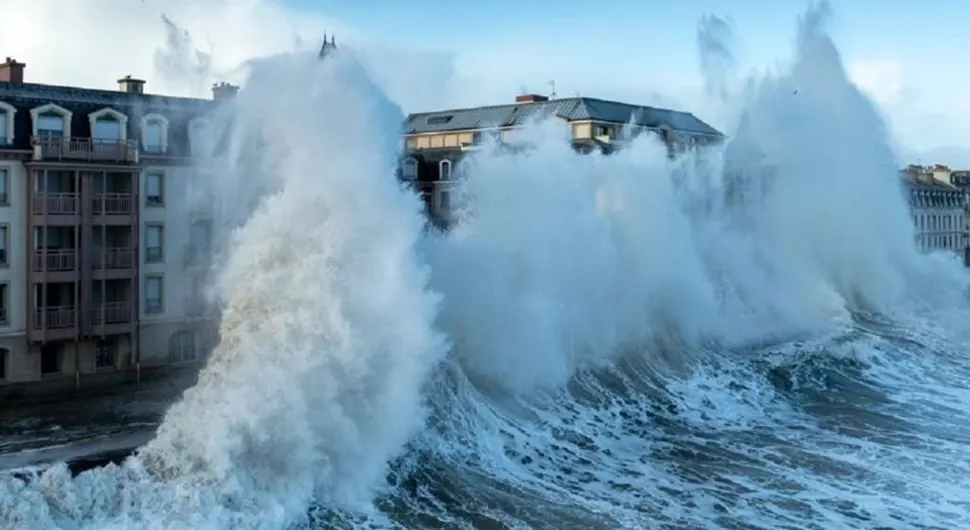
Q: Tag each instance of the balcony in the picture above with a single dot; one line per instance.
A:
(54, 204)
(113, 204)
(63, 317)
(111, 313)
(114, 258)
(84, 149)
(59, 260)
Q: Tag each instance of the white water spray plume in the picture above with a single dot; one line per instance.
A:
(566, 354)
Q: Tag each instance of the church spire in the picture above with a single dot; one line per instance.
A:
(327, 46)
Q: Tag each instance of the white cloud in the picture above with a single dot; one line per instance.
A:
(92, 43)
(881, 79)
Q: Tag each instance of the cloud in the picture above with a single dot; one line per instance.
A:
(92, 43)
(181, 46)
(882, 79)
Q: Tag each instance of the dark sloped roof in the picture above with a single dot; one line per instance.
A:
(928, 184)
(83, 101)
(97, 97)
(578, 108)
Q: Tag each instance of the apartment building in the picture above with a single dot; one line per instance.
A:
(435, 142)
(99, 257)
(938, 209)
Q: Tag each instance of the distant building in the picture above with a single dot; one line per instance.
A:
(938, 209)
(101, 265)
(435, 142)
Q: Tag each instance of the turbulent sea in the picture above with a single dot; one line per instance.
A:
(743, 337)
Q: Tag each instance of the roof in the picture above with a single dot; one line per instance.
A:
(577, 108)
(928, 184)
(83, 101)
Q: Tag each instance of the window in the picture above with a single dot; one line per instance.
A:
(153, 189)
(154, 243)
(444, 170)
(200, 242)
(4, 243)
(104, 355)
(409, 169)
(181, 347)
(199, 137)
(153, 294)
(3, 127)
(4, 357)
(4, 186)
(50, 359)
(444, 201)
(4, 303)
(106, 128)
(602, 130)
(50, 124)
(154, 133)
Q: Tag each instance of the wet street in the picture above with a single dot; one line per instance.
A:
(86, 428)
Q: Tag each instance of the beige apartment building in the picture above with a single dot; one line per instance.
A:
(101, 262)
(435, 142)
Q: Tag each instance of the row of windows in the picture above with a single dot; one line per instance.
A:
(107, 124)
(938, 222)
(930, 199)
(928, 243)
(154, 187)
(200, 241)
(409, 169)
(183, 346)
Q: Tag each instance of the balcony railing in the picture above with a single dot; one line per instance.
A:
(55, 260)
(88, 149)
(112, 203)
(54, 203)
(54, 317)
(111, 313)
(113, 258)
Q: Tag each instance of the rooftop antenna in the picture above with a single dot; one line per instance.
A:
(552, 84)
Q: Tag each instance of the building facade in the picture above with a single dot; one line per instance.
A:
(98, 259)
(938, 209)
(435, 142)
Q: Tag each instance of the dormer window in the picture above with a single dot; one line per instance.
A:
(51, 120)
(50, 124)
(409, 170)
(444, 168)
(7, 113)
(108, 125)
(200, 137)
(154, 133)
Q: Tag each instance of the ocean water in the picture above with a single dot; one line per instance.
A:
(740, 338)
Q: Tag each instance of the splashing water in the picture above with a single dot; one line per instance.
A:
(744, 337)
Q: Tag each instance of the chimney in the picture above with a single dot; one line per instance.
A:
(530, 98)
(223, 90)
(12, 71)
(130, 85)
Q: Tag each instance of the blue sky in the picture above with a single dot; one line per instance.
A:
(903, 52)
(444, 53)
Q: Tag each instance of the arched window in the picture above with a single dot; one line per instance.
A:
(444, 170)
(108, 125)
(51, 120)
(181, 346)
(200, 137)
(154, 133)
(7, 113)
